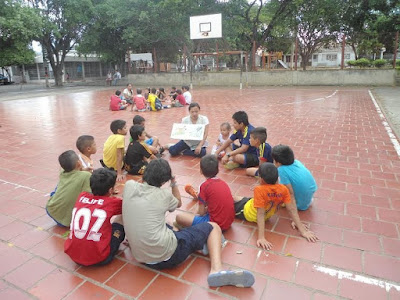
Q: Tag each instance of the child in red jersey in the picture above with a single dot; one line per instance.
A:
(214, 199)
(93, 239)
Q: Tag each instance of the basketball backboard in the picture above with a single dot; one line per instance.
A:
(206, 27)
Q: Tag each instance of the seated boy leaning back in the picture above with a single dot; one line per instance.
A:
(154, 243)
(215, 199)
(72, 182)
(258, 137)
(93, 239)
(268, 198)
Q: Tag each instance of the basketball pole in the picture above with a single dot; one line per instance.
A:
(241, 70)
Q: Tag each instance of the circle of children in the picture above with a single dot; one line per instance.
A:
(84, 198)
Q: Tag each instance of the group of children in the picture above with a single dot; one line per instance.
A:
(153, 99)
(85, 202)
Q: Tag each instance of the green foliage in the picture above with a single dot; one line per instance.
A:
(379, 63)
(19, 24)
(397, 62)
(362, 63)
(351, 63)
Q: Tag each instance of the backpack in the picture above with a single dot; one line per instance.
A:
(158, 105)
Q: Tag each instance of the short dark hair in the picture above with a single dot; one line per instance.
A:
(161, 89)
(241, 117)
(102, 180)
(117, 92)
(268, 172)
(283, 154)
(116, 125)
(179, 91)
(137, 120)
(193, 104)
(83, 142)
(138, 91)
(68, 160)
(173, 88)
(227, 125)
(259, 133)
(136, 131)
(209, 165)
(153, 90)
(157, 172)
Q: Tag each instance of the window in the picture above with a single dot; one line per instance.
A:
(331, 57)
(347, 56)
(315, 57)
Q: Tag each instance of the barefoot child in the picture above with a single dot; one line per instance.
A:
(97, 240)
(225, 129)
(268, 198)
(116, 103)
(86, 146)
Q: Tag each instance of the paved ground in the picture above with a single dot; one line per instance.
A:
(336, 132)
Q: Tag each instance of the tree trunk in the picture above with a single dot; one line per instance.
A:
(304, 61)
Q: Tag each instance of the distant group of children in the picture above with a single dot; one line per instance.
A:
(84, 198)
(152, 100)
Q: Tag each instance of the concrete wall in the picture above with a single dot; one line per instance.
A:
(285, 77)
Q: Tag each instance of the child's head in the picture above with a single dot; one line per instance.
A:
(86, 144)
(240, 120)
(138, 120)
(225, 128)
(268, 173)
(153, 90)
(185, 88)
(102, 181)
(137, 133)
(258, 136)
(118, 92)
(157, 172)
(69, 161)
(179, 92)
(209, 166)
(139, 91)
(161, 90)
(283, 155)
(118, 127)
(173, 88)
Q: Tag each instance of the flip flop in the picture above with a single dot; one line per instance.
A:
(239, 278)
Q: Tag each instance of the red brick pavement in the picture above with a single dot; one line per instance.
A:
(337, 134)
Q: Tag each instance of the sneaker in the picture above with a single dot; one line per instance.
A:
(191, 191)
(231, 165)
(161, 150)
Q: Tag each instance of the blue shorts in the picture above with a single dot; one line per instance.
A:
(149, 141)
(201, 219)
(250, 160)
(189, 240)
(58, 224)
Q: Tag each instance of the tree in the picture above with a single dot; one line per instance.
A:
(64, 22)
(19, 24)
(317, 24)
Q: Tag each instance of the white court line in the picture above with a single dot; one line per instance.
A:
(389, 131)
(358, 278)
(312, 100)
(17, 186)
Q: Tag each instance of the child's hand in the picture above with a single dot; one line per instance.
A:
(218, 143)
(225, 159)
(309, 236)
(263, 243)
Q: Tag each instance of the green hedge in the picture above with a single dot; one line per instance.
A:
(379, 63)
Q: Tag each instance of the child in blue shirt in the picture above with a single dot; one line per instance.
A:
(297, 178)
(258, 137)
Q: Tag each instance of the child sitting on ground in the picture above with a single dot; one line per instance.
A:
(151, 100)
(215, 199)
(297, 178)
(116, 103)
(72, 182)
(138, 154)
(114, 148)
(225, 129)
(139, 101)
(172, 93)
(151, 141)
(245, 155)
(179, 100)
(154, 243)
(86, 146)
(268, 198)
(97, 240)
(161, 94)
(258, 136)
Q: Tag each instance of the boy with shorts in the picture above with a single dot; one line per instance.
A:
(258, 137)
(245, 155)
(215, 199)
(268, 198)
(139, 101)
(93, 239)
(297, 178)
(72, 182)
(116, 103)
(154, 243)
(114, 148)
(86, 146)
(151, 141)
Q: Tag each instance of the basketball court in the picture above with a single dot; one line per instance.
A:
(336, 132)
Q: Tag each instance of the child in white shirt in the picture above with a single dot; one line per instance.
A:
(223, 136)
